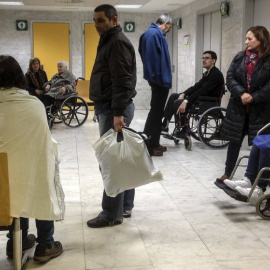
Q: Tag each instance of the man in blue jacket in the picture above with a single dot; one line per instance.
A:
(153, 48)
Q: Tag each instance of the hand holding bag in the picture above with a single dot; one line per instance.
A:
(125, 164)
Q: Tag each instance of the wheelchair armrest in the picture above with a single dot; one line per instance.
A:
(208, 98)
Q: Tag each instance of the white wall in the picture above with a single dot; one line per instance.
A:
(233, 29)
(18, 43)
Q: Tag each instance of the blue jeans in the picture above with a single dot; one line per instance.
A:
(45, 230)
(113, 207)
(257, 160)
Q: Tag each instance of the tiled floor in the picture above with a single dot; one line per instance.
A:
(184, 222)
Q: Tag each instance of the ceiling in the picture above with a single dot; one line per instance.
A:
(149, 6)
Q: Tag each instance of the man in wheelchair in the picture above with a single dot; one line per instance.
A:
(210, 85)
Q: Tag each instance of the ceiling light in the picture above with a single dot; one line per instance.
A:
(7, 3)
(128, 6)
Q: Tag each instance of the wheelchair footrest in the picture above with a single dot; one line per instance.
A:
(232, 193)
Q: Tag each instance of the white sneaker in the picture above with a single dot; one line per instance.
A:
(256, 195)
(245, 183)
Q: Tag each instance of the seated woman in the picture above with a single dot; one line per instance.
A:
(60, 86)
(258, 159)
(36, 78)
(35, 188)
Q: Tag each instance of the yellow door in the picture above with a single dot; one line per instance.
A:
(51, 45)
(91, 39)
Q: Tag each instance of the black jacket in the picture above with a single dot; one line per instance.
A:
(31, 85)
(113, 77)
(259, 110)
(209, 85)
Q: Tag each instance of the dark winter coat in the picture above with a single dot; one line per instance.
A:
(259, 109)
(113, 78)
(211, 84)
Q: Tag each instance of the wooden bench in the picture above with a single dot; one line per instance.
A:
(83, 91)
(5, 218)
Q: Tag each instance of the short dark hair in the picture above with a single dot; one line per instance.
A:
(11, 74)
(213, 54)
(109, 10)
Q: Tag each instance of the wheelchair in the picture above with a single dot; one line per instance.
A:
(263, 204)
(72, 111)
(203, 123)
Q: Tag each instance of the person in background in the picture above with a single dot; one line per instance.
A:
(211, 84)
(36, 78)
(112, 85)
(61, 85)
(35, 188)
(154, 51)
(248, 80)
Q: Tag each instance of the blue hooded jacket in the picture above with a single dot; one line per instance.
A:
(153, 48)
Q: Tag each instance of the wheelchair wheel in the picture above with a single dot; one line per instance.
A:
(263, 207)
(188, 143)
(74, 111)
(209, 128)
(193, 120)
(176, 141)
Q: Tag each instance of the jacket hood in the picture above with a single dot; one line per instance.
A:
(8, 94)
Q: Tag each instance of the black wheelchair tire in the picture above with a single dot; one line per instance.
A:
(209, 127)
(69, 111)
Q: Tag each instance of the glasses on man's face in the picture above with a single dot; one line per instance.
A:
(206, 58)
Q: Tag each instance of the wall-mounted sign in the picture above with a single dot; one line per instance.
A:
(179, 23)
(224, 9)
(21, 25)
(129, 27)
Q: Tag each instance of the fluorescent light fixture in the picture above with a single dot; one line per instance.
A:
(7, 3)
(128, 6)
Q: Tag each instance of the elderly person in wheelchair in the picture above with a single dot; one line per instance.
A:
(62, 85)
(211, 84)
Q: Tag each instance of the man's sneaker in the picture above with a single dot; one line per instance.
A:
(127, 213)
(245, 183)
(164, 130)
(46, 252)
(100, 222)
(256, 195)
(27, 243)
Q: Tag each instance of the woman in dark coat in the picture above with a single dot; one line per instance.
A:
(36, 78)
(248, 80)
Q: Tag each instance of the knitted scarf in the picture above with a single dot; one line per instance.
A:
(38, 83)
(250, 63)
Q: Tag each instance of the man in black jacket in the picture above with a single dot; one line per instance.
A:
(211, 84)
(112, 87)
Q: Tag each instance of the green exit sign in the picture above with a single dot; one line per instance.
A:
(21, 25)
(129, 27)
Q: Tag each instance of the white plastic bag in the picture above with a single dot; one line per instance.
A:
(126, 164)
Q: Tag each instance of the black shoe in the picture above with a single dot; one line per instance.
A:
(157, 152)
(100, 222)
(127, 213)
(164, 130)
(27, 243)
(46, 252)
(179, 134)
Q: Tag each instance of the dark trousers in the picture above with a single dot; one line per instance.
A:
(258, 159)
(234, 149)
(169, 108)
(154, 119)
(45, 230)
(47, 100)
